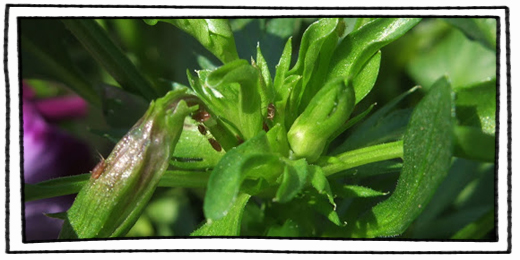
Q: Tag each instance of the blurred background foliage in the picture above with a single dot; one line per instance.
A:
(54, 63)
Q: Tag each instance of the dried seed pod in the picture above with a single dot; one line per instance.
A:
(109, 205)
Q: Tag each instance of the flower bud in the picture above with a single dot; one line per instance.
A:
(327, 111)
(110, 203)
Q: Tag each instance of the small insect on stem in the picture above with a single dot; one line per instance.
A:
(215, 144)
(201, 115)
(100, 167)
(271, 110)
(240, 140)
(265, 127)
(202, 129)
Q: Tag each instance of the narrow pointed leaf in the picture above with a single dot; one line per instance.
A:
(294, 178)
(111, 57)
(359, 46)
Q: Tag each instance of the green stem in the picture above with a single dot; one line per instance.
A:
(110, 56)
(351, 159)
(73, 184)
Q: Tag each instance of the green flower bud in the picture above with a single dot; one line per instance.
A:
(326, 112)
(120, 186)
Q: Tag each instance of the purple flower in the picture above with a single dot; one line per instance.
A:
(49, 152)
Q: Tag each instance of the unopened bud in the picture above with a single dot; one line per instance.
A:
(326, 112)
(110, 203)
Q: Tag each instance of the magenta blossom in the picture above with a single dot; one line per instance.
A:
(49, 152)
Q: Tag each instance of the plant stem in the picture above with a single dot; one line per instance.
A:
(73, 184)
(366, 155)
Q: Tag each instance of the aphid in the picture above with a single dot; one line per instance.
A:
(201, 115)
(98, 170)
(271, 110)
(215, 144)
(265, 127)
(202, 129)
(240, 140)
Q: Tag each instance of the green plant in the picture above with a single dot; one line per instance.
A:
(305, 153)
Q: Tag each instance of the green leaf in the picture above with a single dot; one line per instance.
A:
(73, 184)
(322, 205)
(288, 229)
(186, 179)
(441, 217)
(277, 138)
(44, 54)
(113, 198)
(427, 158)
(476, 106)
(379, 125)
(381, 152)
(365, 80)
(266, 84)
(466, 63)
(229, 225)
(477, 229)
(316, 48)
(281, 70)
(319, 38)
(360, 45)
(351, 122)
(122, 109)
(214, 34)
(233, 92)
(294, 178)
(55, 187)
(355, 191)
(482, 30)
(194, 151)
(271, 34)
(320, 183)
(111, 57)
(467, 147)
(371, 169)
(252, 159)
